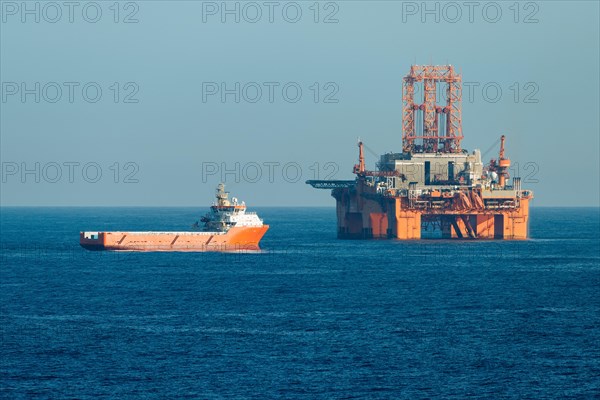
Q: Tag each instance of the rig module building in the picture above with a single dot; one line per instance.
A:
(433, 184)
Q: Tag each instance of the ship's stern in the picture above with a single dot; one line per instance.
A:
(92, 240)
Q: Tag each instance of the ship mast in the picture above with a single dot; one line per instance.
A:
(222, 196)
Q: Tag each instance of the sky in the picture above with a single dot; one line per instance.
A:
(153, 103)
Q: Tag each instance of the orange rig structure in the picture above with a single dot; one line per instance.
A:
(433, 185)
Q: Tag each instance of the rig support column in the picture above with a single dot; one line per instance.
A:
(485, 226)
(407, 223)
(379, 225)
(515, 223)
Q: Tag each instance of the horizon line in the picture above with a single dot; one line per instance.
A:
(196, 206)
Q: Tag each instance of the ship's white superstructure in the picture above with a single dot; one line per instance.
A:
(225, 214)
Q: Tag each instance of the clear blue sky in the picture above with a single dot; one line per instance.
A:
(174, 59)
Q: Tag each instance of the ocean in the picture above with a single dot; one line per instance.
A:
(310, 316)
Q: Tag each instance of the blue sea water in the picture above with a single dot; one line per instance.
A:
(310, 316)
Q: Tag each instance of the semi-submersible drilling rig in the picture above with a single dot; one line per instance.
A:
(433, 184)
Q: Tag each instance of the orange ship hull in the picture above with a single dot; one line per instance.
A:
(236, 238)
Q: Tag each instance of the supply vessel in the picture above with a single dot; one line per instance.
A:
(433, 187)
(226, 227)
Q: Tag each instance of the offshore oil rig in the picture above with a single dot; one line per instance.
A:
(433, 185)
